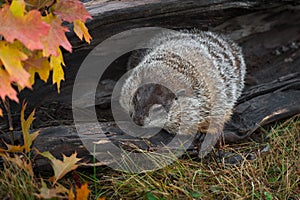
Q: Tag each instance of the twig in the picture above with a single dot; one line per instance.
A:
(10, 123)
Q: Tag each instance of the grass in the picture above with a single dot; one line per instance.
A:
(268, 169)
(16, 182)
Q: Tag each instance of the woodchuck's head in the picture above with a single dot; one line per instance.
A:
(150, 104)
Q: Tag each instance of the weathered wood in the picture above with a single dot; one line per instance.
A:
(263, 104)
(267, 32)
(260, 105)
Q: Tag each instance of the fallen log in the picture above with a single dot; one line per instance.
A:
(267, 32)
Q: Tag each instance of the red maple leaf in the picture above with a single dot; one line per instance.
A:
(28, 28)
(56, 37)
(70, 10)
(6, 88)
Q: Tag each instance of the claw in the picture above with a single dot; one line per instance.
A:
(220, 144)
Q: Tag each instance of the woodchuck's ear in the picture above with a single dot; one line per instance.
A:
(181, 93)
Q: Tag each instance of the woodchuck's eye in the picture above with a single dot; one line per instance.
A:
(131, 114)
(155, 108)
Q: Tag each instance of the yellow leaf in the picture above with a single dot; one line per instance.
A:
(28, 138)
(17, 7)
(81, 31)
(83, 192)
(56, 63)
(43, 72)
(46, 154)
(11, 58)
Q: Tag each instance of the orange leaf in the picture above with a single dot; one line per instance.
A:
(81, 31)
(14, 149)
(6, 88)
(82, 193)
(56, 37)
(12, 60)
(70, 10)
(56, 63)
(37, 64)
(1, 113)
(2, 152)
(28, 28)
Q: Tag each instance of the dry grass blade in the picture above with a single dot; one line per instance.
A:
(273, 172)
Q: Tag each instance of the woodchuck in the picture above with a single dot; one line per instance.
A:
(187, 83)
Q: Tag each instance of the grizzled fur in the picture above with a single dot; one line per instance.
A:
(186, 82)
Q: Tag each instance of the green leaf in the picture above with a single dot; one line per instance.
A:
(268, 196)
(150, 196)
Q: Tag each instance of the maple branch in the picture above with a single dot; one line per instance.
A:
(6, 106)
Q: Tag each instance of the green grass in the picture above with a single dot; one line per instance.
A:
(272, 173)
